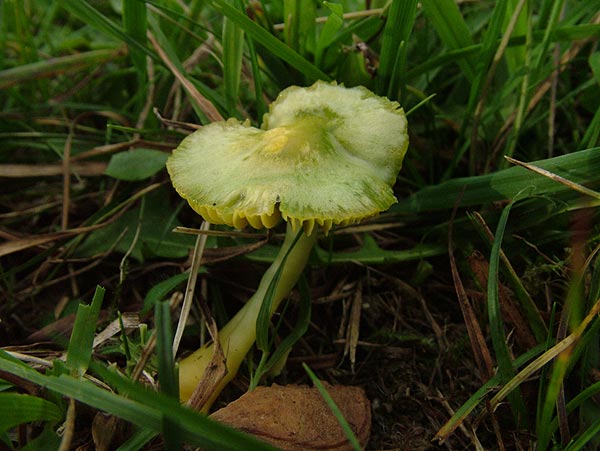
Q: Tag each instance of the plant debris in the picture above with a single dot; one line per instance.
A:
(296, 417)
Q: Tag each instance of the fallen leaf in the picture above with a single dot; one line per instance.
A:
(296, 418)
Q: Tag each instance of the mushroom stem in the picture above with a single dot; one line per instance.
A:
(239, 334)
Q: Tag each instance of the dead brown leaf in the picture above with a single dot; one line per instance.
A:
(523, 334)
(352, 334)
(296, 418)
(104, 428)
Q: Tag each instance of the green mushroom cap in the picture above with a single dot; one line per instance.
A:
(326, 155)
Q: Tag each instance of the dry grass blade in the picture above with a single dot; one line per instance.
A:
(206, 106)
(353, 331)
(104, 150)
(86, 169)
(33, 285)
(221, 254)
(191, 286)
(186, 126)
(20, 244)
(557, 178)
(66, 175)
(435, 327)
(546, 357)
(31, 210)
(129, 320)
(481, 351)
(476, 337)
(468, 431)
(202, 231)
(59, 65)
(148, 349)
(68, 431)
(216, 369)
(543, 88)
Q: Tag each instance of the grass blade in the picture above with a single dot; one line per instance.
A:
(587, 436)
(18, 409)
(334, 408)
(522, 103)
(485, 57)
(160, 291)
(581, 167)
(91, 16)
(79, 352)
(263, 320)
(233, 50)
(137, 440)
(592, 134)
(398, 27)
(557, 178)
(164, 351)
(300, 29)
(544, 358)
(27, 49)
(142, 407)
(261, 107)
(50, 67)
(270, 42)
(476, 398)
(328, 34)
(204, 100)
(166, 373)
(281, 352)
(516, 54)
(506, 369)
(136, 26)
(557, 7)
(454, 32)
(530, 309)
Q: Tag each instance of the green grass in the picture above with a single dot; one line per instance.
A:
(83, 87)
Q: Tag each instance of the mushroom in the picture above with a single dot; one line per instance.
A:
(325, 155)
